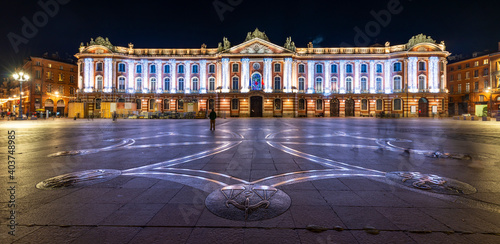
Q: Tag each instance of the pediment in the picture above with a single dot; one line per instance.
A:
(425, 47)
(97, 49)
(257, 46)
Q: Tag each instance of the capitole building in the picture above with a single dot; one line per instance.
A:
(258, 78)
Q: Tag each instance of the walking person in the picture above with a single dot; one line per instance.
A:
(212, 116)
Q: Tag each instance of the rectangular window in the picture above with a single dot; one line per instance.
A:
(49, 88)
(452, 68)
(98, 67)
(397, 104)
(138, 69)
(467, 87)
(451, 89)
(421, 66)
(485, 72)
(49, 65)
(451, 77)
(364, 68)
(459, 67)
(334, 68)
(486, 84)
(397, 67)
(379, 104)
(71, 91)
(481, 98)
(72, 79)
(476, 86)
(61, 90)
(379, 68)
(277, 67)
(234, 104)
(49, 75)
(476, 63)
(319, 68)
(301, 68)
(38, 74)
(235, 67)
(166, 69)
(467, 65)
(61, 77)
(121, 67)
(459, 88)
(38, 63)
(37, 88)
(476, 73)
(195, 69)
(211, 68)
(71, 69)
(485, 61)
(459, 77)
(61, 68)
(467, 75)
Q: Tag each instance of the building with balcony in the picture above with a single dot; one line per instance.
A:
(473, 85)
(258, 78)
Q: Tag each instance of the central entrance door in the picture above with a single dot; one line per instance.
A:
(256, 106)
(334, 108)
(423, 107)
(349, 107)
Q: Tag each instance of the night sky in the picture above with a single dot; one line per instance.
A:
(465, 26)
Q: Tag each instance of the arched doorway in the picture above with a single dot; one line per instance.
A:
(256, 106)
(349, 107)
(423, 107)
(60, 108)
(334, 108)
(49, 105)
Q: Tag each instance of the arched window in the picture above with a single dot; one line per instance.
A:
(319, 104)
(236, 82)
(211, 84)
(98, 82)
(195, 84)
(138, 103)
(277, 104)
(421, 66)
(166, 104)
(195, 69)
(364, 83)
(319, 85)
(121, 83)
(277, 83)
(166, 69)
(379, 105)
(397, 104)
(348, 84)
(319, 68)
(334, 69)
(421, 82)
(364, 105)
(302, 104)
(301, 84)
(121, 67)
(302, 68)
(378, 84)
(138, 69)
(397, 83)
(379, 68)
(334, 84)
(211, 68)
(181, 84)
(180, 69)
(364, 68)
(166, 84)
(235, 104)
(348, 68)
(152, 82)
(397, 66)
(152, 69)
(138, 84)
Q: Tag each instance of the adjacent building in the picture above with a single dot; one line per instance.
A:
(473, 85)
(258, 78)
(53, 83)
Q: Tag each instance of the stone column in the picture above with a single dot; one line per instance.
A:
(203, 76)
(130, 78)
(159, 76)
(357, 69)
(145, 70)
(245, 74)
(268, 75)
(412, 74)
(225, 75)
(433, 74)
(326, 83)
(80, 80)
(287, 73)
(310, 76)
(89, 74)
(187, 77)
(173, 75)
(372, 77)
(387, 76)
(107, 74)
(342, 77)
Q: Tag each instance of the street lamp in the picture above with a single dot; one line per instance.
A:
(21, 77)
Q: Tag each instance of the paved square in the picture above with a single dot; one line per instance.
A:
(358, 180)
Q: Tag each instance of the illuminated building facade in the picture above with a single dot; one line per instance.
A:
(473, 85)
(260, 79)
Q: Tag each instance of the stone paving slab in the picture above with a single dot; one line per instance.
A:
(333, 170)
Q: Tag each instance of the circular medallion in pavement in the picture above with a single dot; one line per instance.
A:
(432, 183)
(248, 202)
(78, 179)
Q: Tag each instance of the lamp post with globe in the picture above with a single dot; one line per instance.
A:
(21, 77)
